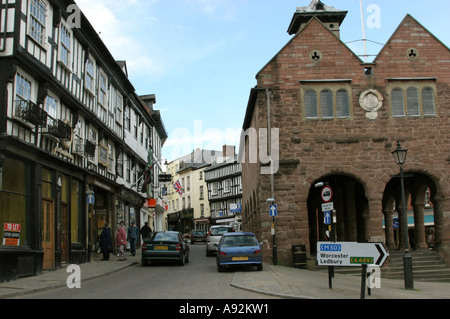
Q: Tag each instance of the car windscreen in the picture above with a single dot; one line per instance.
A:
(239, 241)
(220, 231)
(164, 237)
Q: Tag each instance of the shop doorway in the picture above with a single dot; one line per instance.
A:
(64, 234)
(48, 234)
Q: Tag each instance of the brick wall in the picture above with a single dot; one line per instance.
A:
(356, 146)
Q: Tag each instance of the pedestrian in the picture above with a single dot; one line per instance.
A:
(121, 240)
(106, 241)
(133, 235)
(145, 231)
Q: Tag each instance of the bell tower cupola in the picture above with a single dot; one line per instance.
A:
(332, 18)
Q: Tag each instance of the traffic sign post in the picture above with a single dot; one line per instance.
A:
(352, 254)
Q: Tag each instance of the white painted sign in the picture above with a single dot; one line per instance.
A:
(327, 206)
(351, 254)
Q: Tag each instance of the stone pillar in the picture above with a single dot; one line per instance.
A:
(402, 226)
(351, 224)
(419, 226)
(373, 220)
(389, 227)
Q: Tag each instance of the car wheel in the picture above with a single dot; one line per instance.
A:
(208, 253)
(186, 259)
(259, 267)
(144, 263)
(220, 268)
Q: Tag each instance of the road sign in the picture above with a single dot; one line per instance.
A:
(351, 254)
(327, 218)
(235, 208)
(90, 198)
(326, 194)
(327, 207)
(273, 211)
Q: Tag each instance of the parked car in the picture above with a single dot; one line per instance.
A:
(239, 249)
(213, 238)
(198, 236)
(165, 246)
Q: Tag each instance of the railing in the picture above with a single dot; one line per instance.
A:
(59, 129)
(31, 113)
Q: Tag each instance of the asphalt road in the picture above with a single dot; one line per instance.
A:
(198, 279)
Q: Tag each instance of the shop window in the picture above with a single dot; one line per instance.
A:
(13, 196)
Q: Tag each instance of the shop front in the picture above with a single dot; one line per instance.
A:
(41, 215)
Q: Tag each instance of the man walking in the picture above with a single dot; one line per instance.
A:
(133, 235)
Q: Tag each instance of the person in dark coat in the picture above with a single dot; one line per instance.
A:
(106, 241)
(145, 231)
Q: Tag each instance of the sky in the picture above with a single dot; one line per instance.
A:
(200, 57)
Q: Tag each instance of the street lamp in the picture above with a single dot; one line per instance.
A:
(400, 158)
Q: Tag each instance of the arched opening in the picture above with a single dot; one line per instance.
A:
(420, 196)
(351, 211)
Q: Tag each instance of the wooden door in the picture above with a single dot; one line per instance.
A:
(48, 234)
(64, 234)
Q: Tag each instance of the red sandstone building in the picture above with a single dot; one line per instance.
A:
(339, 119)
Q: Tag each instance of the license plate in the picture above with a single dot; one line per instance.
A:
(161, 247)
(240, 258)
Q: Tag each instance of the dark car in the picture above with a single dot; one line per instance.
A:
(239, 249)
(198, 236)
(165, 246)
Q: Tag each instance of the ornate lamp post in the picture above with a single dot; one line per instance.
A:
(400, 158)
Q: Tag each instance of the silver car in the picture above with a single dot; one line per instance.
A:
(213, 238)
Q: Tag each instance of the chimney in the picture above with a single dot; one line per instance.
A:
(228, 151)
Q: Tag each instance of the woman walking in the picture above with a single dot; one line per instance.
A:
(121, 240)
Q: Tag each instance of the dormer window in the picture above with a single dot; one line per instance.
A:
(320, 6)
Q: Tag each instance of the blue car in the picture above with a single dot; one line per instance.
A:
(238, 249)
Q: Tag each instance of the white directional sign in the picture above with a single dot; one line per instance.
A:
(327, 206)
(351, 254)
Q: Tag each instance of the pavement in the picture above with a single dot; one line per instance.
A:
(276, 281)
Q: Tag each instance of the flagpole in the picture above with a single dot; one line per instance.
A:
(364, 31)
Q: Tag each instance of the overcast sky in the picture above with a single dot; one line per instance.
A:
(200, 57)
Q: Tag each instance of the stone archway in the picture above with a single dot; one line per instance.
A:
(421, 201)
(352, 211)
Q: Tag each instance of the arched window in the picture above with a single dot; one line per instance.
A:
(398, 105)
(311, 104)
(326, 104)
(342, 107)
(412, 98)
(428, 101)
